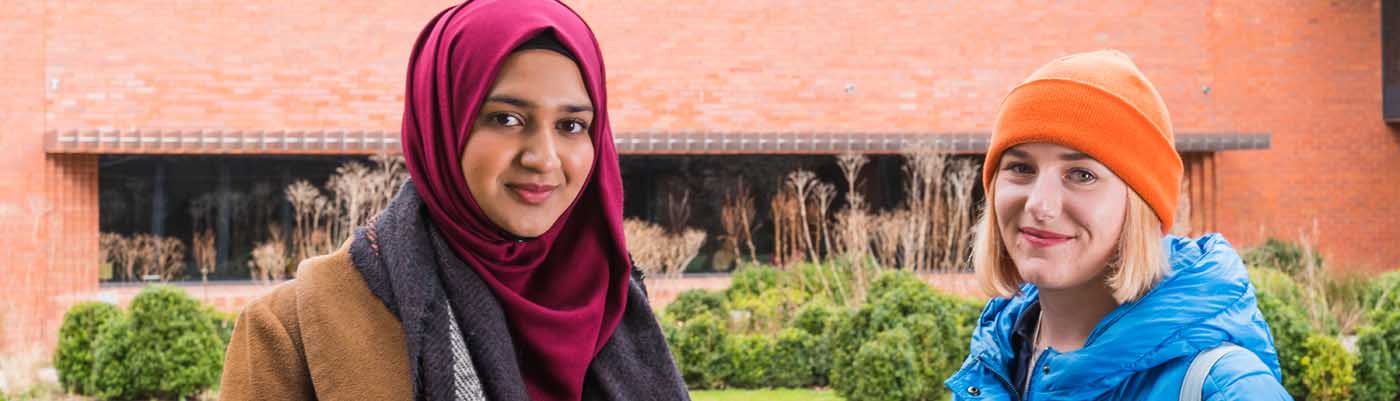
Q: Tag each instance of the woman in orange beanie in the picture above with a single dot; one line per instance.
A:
(1094, 300)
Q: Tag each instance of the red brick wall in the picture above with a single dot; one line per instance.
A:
(45, 213)
(1310, 73)
(1307, 72)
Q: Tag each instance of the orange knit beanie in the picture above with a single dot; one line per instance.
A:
(1100, 104)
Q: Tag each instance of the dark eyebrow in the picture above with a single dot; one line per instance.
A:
(526, 104)
(511, 100)
(1018, 153)
(576, 108)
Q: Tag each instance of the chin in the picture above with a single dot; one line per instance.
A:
(527, 233)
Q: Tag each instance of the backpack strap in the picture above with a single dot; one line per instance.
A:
(1194, 382)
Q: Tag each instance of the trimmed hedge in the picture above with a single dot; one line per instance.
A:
(699, 349)
(902, 343)
(692, 303)
(886, 364)
(751, 281)
(166, 346)
(797, 359)
(73, 359)
(781, 329)
(751, 358)
(814, 317)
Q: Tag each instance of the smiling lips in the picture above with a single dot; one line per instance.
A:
(532, 194)
(1042, 238)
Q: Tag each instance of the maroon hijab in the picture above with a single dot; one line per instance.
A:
(563, 292)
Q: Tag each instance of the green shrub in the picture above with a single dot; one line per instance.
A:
(1290, 329)
(770, 311)
(692, 303)
(751, 359)
(888, 368)
(832, 281)
(891, 281)
(1281, 301)
(1378, 370)
(940, 344)
(1279, 255)
(698, 347)
(813, 317)
(751, 281)
(223, 323)
(935, 328)
(795, 359)
(1385, 293)
(1327, 369)
(845, 336)
(165, 347)
(781, 329)
(74, 356)
(1277, 284)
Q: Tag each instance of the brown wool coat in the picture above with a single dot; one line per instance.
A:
(322, 336)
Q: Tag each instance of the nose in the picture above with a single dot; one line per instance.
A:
(540, 153)
(1045, 198)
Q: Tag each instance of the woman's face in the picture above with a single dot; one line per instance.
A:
(530, 153)
(1059, 212)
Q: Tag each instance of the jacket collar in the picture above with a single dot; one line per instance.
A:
(1204, 300)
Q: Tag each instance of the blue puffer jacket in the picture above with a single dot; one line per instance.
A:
(1141, 349)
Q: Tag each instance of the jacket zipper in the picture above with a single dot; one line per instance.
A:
(1005, 382)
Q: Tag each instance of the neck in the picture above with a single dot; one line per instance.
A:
(1069, 315)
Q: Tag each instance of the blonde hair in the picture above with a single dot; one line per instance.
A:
(1138, 265)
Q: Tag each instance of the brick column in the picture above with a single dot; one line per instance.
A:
(48, 204)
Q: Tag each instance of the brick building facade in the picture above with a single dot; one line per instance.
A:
(1303, 80)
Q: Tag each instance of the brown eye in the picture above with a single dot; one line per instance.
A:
(572, 126)
(505, 120)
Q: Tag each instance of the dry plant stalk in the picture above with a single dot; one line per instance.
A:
(205, 255)
(801, 182)
(111, 248)
(645, 244)
(959, 214)
(308, 235)
(269, 262)
(786, 227)
(924, 170)
(888, 229)
(851, 165)
(1318, 293)
(853, 223)
(164, 257)
(824, 194)
(736, 218)
(131, 253)
(677, 210)
(357, 192)
(659, 253)
(682, 249)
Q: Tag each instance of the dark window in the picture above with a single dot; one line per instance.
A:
(1390, 59)
(239, 198)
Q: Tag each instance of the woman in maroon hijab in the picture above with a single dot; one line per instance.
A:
(500, 272)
